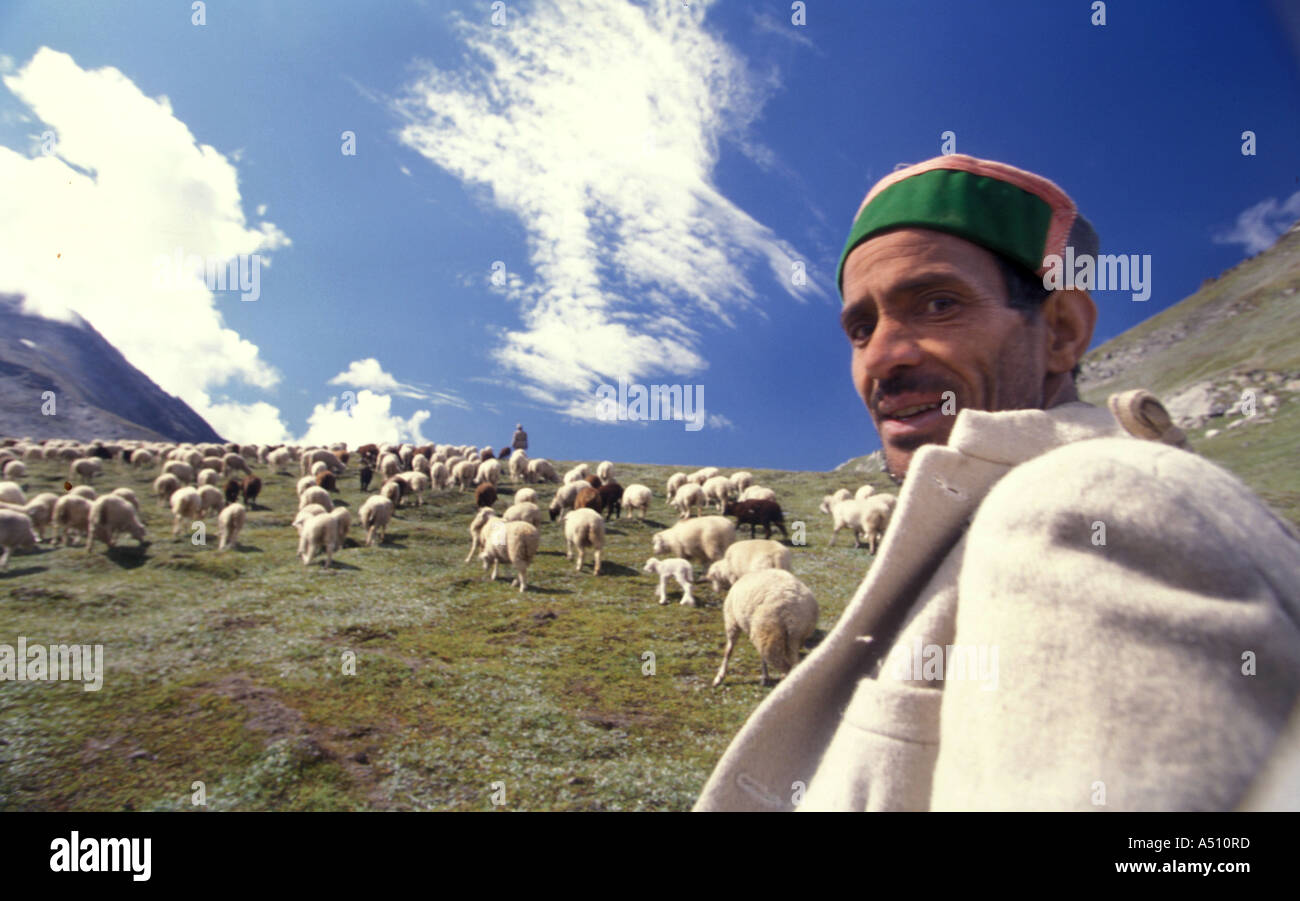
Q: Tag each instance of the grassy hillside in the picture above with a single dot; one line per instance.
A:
(226, 668)
(1239, 333)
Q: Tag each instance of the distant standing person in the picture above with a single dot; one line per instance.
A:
(521, 438)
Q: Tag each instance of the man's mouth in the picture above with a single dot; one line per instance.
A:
(911, 418)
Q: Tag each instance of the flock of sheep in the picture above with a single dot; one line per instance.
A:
(763, 598)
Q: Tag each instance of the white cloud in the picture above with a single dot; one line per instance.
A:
(718, 421)
(84, 227)
(598, 125)
(1262, 224)
(369, 373)
(369, 418)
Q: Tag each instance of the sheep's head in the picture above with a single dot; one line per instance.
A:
(651, 566)
(659, 544)
(719, 576)
(826, 504)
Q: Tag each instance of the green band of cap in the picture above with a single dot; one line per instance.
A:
(989, 212)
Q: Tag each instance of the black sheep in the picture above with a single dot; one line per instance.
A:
(757, 513)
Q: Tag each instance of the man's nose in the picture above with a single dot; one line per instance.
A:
(893, 345)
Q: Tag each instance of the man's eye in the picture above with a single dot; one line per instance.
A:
(860, 332)
(940, 304)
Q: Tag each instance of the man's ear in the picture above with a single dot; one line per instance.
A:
(1070, 317)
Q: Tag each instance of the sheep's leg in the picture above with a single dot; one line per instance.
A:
(578, 568)
(4, 558)
(687, 599)
(496, 562)
(472, 548)
(596, 571)
(663, 588)
(732, 635)
(523, 573)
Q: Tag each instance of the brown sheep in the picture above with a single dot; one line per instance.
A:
(611, 498)
(593, 481)
(588, 497)
(485, 495)
(233, 487)
(327, 481)
(252, 487)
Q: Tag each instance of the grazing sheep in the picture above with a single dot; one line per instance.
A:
(519, 466)
(16, 531)
(637, 497)
(389, 466)
(593, 481)
(689, 497)
(515, 543)
(583, 528)
(863, 493)
(318, 534)
(485, 495)
(213, 463)
(40, 510)
(394, 490)
(229, 525)
(420, 463)
(716, 491)
(880, 508)
(757, 513)
(476, 526)
(211, 500)
(325, 479)
(207, 477)
(164, 486)
(320, 455)
(673, 568)
(10, 493)
(541, 470)
(85, 468)
(71, 517)
(251, 488)
(841, 494)
(84, 491)
(524, 512)
(305, 514)
(141, 458)
(702, 540)
(577, 473)
(745, 557)
(588, 498)
(186, 504)
(315, 495)
(342, 522)
(417, 482)
(849, 514)
(129, 495)
(611, 499)
(675, 481)
(439, 475)
(700, 476)
(757, 493)
(109, 515)
(525, 496)
(605, 470)
(464, 473)
(375, 515)
(183, 471)
(776, 611)
(489, 471)
(740, 481)
(15, 469)
(233, 462)
(280, 458)
(231, 490)
(304, 483)
(565, 495)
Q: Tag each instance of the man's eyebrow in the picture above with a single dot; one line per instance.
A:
(919, 282)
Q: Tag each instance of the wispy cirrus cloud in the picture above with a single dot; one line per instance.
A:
(598, 124)
(1258, 226)
(370, 374)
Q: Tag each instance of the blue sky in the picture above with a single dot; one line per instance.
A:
(645, 174)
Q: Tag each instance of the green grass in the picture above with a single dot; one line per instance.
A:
(226, 668)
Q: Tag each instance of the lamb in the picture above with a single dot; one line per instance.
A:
(605, 470)
(164, 486)
(525, 496)
(702, 540)
(85, 468)
(716, 491)
(315, 495)
(541, 470)
(10, 493)
(252, 487)
(524, 512)
(757, 513)
(231, 491)
(485, 495)
(16, 531)
(777, 611)
(109, 515)
(673, 568)
(577, 473)
(375, 515)
(186, 504)
(864, 492)
(129, 495)
(565, 495)
(515, 543)
(229, 525)
(583, 528)
(71, 516)
(211, 500)
(757, 493)
(675, 481)
(745, 557)
(15, 470)
(637, 497)
(689, 497)
(318, 534)
(846, 514)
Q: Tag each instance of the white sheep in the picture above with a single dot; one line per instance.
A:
(304, 483)
(389, 466)
(689, 498)
(541, 470)
(305, 514)
(11, 493)
(565, 495)
(700, 476)
(880, 508)
(317, 468)
(515, 543)
(393, 491)
(863, 493)
(776, 611)
(675, 481)
(673, 568)
(464, 473)
(848, 514)
(841, 494)
(637, 497)
(745, 557)
(584, 528)
(342, 523)
(15, 469)
(141, 458)
(757, 493)
(84, 491)
(183, 471)
(740, 481)
(40, 510)
(375, 514)
(109, 515)
(703, 540)
(186, 505)
(482, 517)
(207, 476)
(164, 486)
(280, 458)
(129, 495)
(229, 524)
(16, 531)
(235, 463)
(519, 466)
(439, 475)
(577, 473)
(523, 512)
(85, 468)
(318, 534)
(716, 491)
(526, 496)
(211, 500)
(605, 471)
(71, 517)
(315, 495)
(488, 471)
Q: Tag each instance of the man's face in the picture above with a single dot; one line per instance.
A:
(926, 313)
